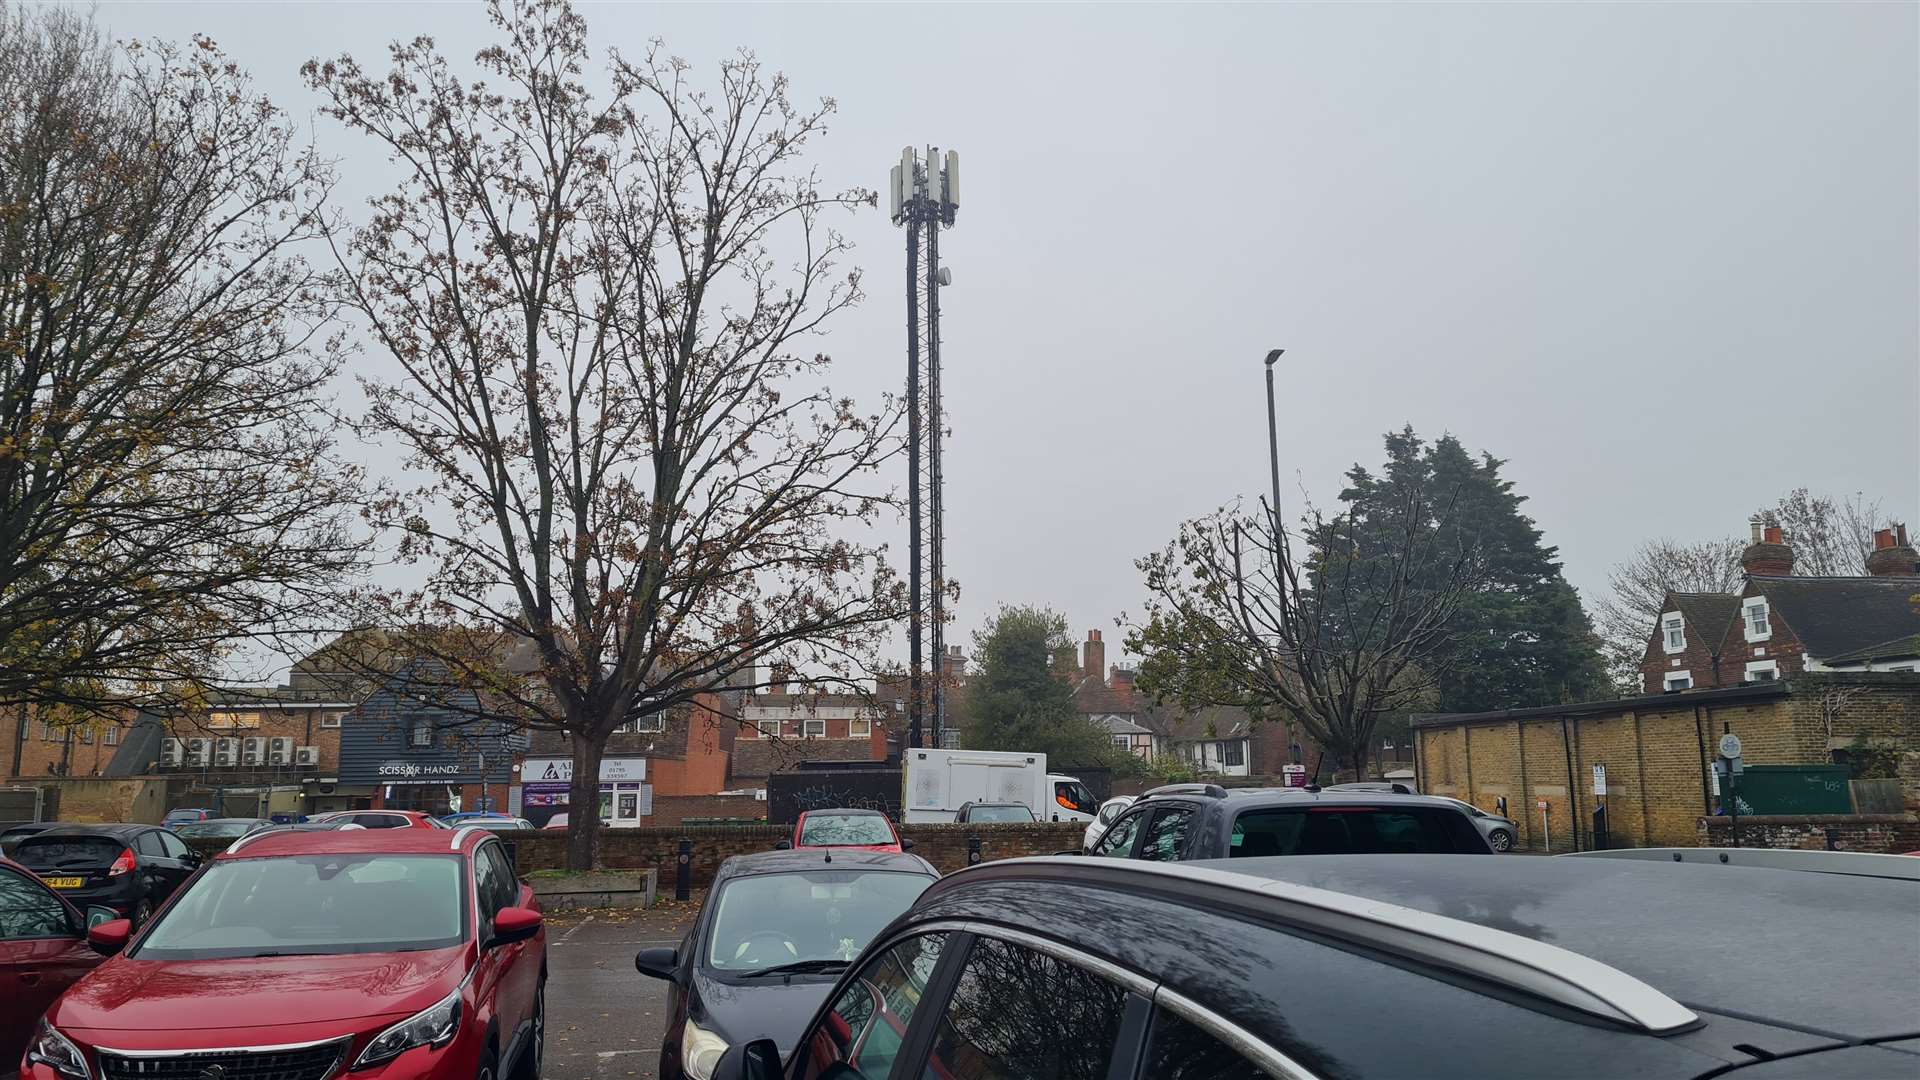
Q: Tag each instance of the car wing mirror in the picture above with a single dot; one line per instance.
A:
(110, 937)
(660, 961)
(784, 845)
(760, 1060)
(906, 844)
(511, 924)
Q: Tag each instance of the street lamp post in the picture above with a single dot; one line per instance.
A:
(1273, 442)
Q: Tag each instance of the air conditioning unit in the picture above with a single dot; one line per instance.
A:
(197, 751)
(171, 751)
(226, 753)
(253, 751)
(281, 752)
(307, 757)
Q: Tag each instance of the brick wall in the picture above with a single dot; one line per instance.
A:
(670, 810)
(1886, 834)
(1782, 645)
(96, 800)
(57, 750)
(1656, 663)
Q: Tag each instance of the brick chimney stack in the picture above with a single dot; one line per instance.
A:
(954, 666)
(1094, 662)
(1768, 555)
(1120, 678)
(1892, 556)
(778, 676)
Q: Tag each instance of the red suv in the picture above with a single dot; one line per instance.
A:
(861, 830)
(369, 954)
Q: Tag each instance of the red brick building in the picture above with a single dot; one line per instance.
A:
(1780, 624)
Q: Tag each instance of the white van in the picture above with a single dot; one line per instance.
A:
(938, 782)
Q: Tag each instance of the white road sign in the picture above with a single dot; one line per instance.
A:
(1729, 745)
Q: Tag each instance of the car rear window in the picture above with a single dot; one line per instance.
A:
(999, 813)
(840, 830)
(1354, 830)
(68, 852)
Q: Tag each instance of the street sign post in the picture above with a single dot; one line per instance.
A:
(1294, 775)
(1546, 830)
(1730, 754)
(1600, 780)
(1729, 745)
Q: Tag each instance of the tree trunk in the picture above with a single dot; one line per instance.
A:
(583, 803)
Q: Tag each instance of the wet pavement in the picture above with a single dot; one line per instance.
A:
(604, 1019)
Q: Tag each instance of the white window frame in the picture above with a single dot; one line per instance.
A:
(1747, 609)
(1676, 676)
(762, 725)
(1671, 621)
(1772, 667)
(651, 724)
(860, 727)
(330, 719)
(112, 736)
(814, 728)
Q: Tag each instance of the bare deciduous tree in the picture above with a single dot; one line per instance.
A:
(1332, 640)
(632, 471)
(168, 489)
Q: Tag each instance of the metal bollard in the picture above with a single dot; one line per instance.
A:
(683, 878)
(1833, 842)
(973, 851)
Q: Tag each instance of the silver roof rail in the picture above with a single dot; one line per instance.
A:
(1519, 963)
(460, 836)
(1211, 791)
(1852, 863)
(249, 838)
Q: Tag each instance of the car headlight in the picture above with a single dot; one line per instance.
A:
(700, 1051)
(434, 1025)
(52, 1049)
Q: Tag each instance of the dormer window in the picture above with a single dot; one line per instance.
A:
(1673, 630)
(1753, 612)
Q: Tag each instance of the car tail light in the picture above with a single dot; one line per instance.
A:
(122, 865)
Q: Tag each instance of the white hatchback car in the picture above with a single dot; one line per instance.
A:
(1108, 811)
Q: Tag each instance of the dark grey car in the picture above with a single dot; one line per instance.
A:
(1382, 966)
(1499, 831)
(1185, 822)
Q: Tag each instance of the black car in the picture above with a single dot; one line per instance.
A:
(777, 928)
(129, 868)
(1377, 966)
(220, 828)
(994, 813)
(11, 836)
(1185, 822)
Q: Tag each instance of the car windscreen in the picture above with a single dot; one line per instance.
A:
(297, 905)
(840, 830)
(45, 853)
(999, 813)
(1354, 830)
(220, 830)
(769, 920)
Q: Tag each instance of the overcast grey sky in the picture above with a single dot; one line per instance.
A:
(1665, 259)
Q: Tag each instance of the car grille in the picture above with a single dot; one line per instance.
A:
(315, 1062)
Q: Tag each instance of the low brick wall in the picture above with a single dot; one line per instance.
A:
(945, 846)
(1886, 834)
(671, 810)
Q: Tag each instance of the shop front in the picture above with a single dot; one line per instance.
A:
(626, 798)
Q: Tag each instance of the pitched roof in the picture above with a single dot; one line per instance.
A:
(1120, 725)
(1833, 616)
(754, 758)
(1897, 649)
(1213, 722)
(1707, 613)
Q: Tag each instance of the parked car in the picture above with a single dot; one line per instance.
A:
(228, 828)
(383, 819)
(776, 929)
(462, 815)
(1185, 822)
(1393, 786)
(557, 821)
(495, 823)
(11, 836)
(187, 814)
(860, 830)
(1499, 831)
(1285, 967)
(993, 812)
(43, 950)
(129, 868)
(397, 954)
(1103, 818)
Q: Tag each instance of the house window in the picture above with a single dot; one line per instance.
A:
(653, 723)
(769, 729)
(860, 728)
(1763, 671)
(813, 729)
(331, 719)
(112, 737)
(1679, 680)
(1675, 630)
(1759, 627)
(422, 734)
(1231, 753)
(1124, 742)
(86, 736)
(46, 730)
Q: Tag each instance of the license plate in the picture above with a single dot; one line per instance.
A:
(65, 882)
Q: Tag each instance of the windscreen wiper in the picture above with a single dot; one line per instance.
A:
(800, 967)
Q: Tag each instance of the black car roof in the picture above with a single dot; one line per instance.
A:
(117, 830)
(1812, 951)
(1283, 796)
(801, 860)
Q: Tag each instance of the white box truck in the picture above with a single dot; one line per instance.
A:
(938, 782)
